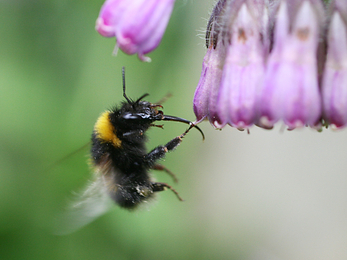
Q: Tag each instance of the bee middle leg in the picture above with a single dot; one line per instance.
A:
(160, 167)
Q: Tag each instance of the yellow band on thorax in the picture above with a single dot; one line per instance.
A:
(105, 130)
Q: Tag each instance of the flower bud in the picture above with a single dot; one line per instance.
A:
(138, 25)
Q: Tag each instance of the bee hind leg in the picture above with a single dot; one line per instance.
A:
(160, 186)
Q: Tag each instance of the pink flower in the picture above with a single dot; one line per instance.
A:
(334, 83)
(233, 68)
(206, 93)
(243, 70)
(290, 90)
(138, 25)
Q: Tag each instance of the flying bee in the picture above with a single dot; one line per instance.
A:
(119, 154)
(121, 161)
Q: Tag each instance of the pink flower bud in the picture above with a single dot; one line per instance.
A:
(138, 25)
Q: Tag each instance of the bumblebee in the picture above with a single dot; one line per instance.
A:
(119, 155)
(121, 162)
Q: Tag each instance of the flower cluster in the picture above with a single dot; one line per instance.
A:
(138, 25)
(275, 60)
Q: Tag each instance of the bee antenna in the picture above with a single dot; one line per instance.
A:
(124, 95)
(140, 98)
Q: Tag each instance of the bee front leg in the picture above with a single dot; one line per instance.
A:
(160, 151)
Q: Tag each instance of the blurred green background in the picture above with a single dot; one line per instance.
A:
(267, 195)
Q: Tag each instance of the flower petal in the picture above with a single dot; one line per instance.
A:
(334, 83)
(291, 90)
(243, 72)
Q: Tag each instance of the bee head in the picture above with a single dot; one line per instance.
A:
(141, 114)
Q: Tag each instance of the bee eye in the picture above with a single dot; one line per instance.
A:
(131, 116)
(137, 116)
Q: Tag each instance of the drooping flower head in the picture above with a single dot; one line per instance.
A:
(138, 25)
(266, 64)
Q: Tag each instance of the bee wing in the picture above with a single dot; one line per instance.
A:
(84, 208)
